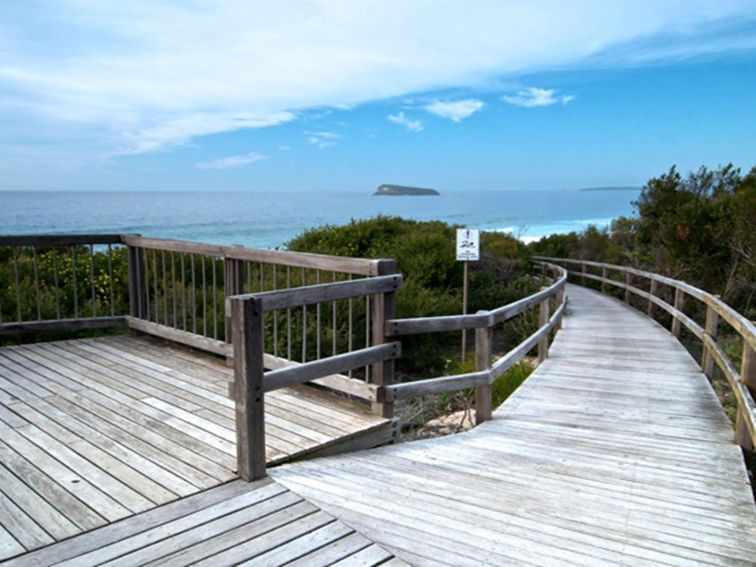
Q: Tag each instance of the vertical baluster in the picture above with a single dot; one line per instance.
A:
(18, 284)
(173, 289)
(155, 273)
(214, 305)
(55, 283)
(146, 281)
(204, 299)
(317, 319)
(288, 316)
(304, 322)
(679, 305)
(36, 283)
(182, 265)
(350, 312)
(628, 283)
(92, 280)
(194, 295)
(262, 277)
(333, 323)
(710, 328)
(164, 288)
(367, 333)
(651, 309)
(274, 314)
(543, 319)
(75, 285)
(110, 279)
(483, 394)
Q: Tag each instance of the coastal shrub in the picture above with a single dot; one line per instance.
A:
(425, 255)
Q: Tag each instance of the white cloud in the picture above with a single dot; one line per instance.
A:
(231, 161)
(402, 120)
(533, 96)
(142, 76)
(457, 110)
(322, 140)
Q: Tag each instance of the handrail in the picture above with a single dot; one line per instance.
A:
(362, 266)
(419, 325)
(484, 321)
(252, 382)
(742, 382)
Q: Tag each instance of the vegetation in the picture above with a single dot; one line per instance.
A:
(700, 228)
(425, 255)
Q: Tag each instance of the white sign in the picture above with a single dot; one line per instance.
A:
(468, 244)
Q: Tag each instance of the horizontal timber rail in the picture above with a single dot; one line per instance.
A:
(483, 323)
(742, 381)
(251, 381)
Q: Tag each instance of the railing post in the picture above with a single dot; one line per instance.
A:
(679, 305)
(383, 309)
(137, 299)
(604, 276)
(543, 318)
(483, 394)
(710, 328)
(560, 301)
(233, 284)
(747, 377)
(248, 339)
(628, 284)
(582, 274)
(651, 309)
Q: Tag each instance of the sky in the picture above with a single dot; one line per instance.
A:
(345, 95)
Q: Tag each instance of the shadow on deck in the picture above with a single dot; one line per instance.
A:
(96, 430)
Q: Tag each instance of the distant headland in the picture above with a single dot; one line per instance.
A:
(403, 190)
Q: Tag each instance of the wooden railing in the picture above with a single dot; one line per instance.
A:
(742, 381)
(484, 322)
(251, 381)
(176, 290)
(61, 283)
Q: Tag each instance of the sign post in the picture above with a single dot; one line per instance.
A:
(468, 250)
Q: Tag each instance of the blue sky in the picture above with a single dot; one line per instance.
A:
(346, 95)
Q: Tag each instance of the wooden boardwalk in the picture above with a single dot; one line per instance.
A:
(96, 430)
(236, 523)
(615, 451)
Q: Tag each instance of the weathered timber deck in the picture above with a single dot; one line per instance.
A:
(615, 451)
(95, 430)
(236, 523)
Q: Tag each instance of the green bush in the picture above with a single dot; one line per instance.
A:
(425, 255)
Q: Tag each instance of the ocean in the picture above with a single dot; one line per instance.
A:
(269, 220)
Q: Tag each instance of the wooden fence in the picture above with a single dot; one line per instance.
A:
(251, 381)
(177, 290)
(742, 380)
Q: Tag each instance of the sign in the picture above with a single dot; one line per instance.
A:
(468, 244)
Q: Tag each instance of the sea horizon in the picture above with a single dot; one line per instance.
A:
(263, 219)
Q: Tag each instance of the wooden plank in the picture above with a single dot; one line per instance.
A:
(179, 336)
(69, 549)
(484, 392)
(280, 257)
(291, 375)
(309, 295)
(78, 324)
(59, 239)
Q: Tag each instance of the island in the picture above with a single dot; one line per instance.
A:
(403, 190)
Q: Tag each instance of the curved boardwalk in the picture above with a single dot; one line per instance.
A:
(615, 451)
